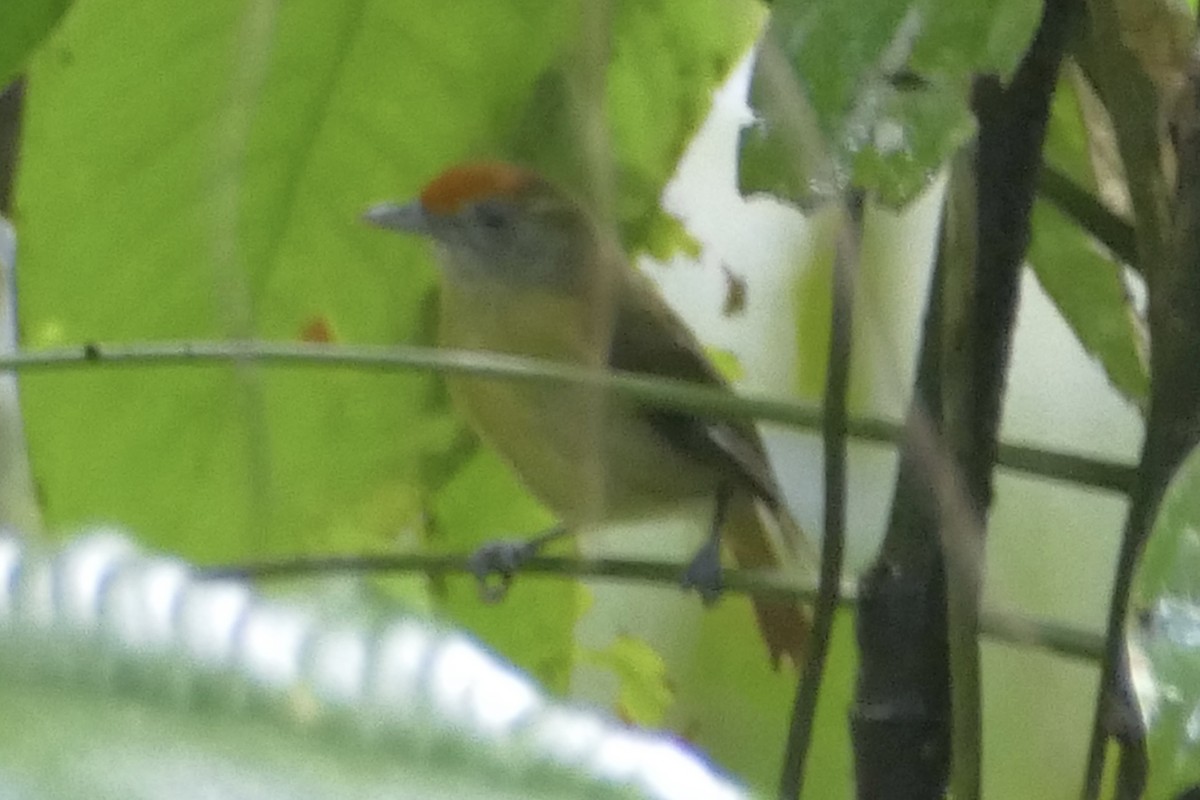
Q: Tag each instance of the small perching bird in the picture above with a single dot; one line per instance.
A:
(525, 271)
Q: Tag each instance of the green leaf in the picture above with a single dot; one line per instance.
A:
(217, 193)
(198, 170)
(1085, 282)
(1087, 287)
(665, 60)
(871, 94)
(24, 25)
(645, 693)
(726, 362)
(1163, 628)
(205, 179)
(1068, 136)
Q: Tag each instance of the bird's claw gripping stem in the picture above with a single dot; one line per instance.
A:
(703, 573)
(495, 564)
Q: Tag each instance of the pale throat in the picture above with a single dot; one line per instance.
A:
(540, 323)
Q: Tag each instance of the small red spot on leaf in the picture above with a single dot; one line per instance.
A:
(317, 330)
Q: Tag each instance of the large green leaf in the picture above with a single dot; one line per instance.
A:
(871, 94)
(198, 170)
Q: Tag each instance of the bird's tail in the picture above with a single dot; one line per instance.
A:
(784, 624)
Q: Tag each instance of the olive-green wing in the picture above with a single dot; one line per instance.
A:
(648, 337)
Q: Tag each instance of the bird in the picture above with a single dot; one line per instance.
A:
(526, 270)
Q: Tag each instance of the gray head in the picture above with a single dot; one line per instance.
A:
(496, 222)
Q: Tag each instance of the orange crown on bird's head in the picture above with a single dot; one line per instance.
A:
(466, 183)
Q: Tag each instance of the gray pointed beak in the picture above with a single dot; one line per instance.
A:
(407, 217)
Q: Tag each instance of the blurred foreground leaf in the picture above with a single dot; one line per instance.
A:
(133, 679)
(1164, 636)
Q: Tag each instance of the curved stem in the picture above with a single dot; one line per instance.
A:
(1003, 626)
(833, 546)
(702, 400)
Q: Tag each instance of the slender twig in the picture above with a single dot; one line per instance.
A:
(833, 545)
(1083, 470)
(1004, 626)
(1092, 472)
(958, 476)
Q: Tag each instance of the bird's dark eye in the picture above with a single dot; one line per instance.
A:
(493, 217)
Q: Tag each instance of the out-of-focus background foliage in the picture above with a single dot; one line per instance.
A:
(196, 170)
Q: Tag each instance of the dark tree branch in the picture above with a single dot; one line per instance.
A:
(837, 384)
(900, 717)
(901, 720)
(11, 102)
(1012, 129)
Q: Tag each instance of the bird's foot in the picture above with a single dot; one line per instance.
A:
(496, 563)
(704, 572)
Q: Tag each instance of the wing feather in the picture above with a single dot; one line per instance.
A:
(648, 337)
